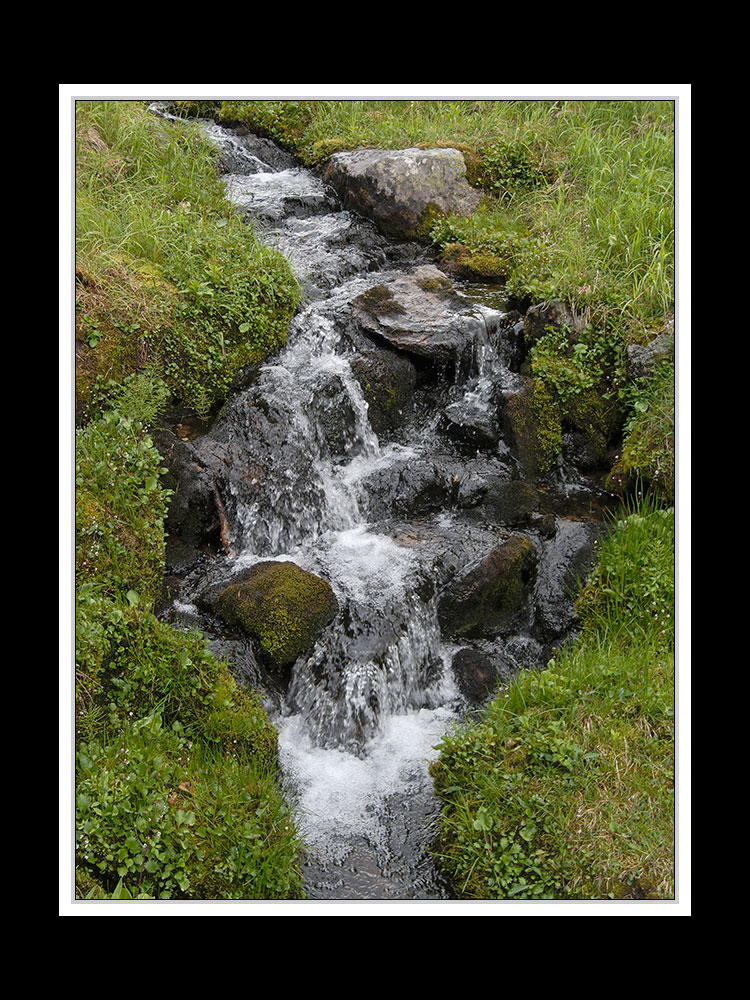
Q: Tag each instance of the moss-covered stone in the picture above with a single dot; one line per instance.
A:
(533, 419)
(476, 265)
(387, 381)
(487, 597)
(281, 606)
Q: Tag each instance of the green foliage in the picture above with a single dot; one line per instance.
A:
(161, 818)
(284, 121)
(648, 453)
(169, 277)
(505, 167)
(120, 508)
(568, 368)
(631, 592)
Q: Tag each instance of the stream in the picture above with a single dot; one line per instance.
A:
(389, 511)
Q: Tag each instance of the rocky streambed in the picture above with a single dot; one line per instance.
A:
(366, 530)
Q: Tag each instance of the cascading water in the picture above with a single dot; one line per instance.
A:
(385, 518)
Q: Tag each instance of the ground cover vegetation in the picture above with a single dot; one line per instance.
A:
(564, 786)
(177, 792)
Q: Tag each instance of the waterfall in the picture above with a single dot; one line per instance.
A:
(387, 517)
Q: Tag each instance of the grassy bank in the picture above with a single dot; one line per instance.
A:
(169, 283)
(177, 793)
(564, 788)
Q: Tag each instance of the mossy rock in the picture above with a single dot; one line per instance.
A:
(282, 607)
(532, 419)
(387, 381)
(476, 265)
(490, 595)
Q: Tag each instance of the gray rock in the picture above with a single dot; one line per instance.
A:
(552, 313)
(402, 190)
(641, 359)
(422, 315)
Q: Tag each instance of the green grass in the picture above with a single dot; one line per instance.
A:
(169, 818)
(564, 789)
(169, 280)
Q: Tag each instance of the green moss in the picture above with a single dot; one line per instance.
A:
(380, 301)
(436, 285)
(534, 420)
(477, 264)
(280, 605)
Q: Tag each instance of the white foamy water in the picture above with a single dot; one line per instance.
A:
(340, 796)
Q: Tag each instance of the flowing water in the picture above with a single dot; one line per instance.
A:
(387, 518)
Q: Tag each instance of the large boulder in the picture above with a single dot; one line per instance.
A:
(402, 190)
(422, 315)
(488, 596)
(282, 607)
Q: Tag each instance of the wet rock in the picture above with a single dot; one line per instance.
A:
(241, 152)
(412, 487)
(422, 315)
(473, 422)
(509, 502)
(565, 560)
(282, 607)
(477, 674)
(332, 417)
(193, 517)
(403, 191)
(387, 380)
(488, 596)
